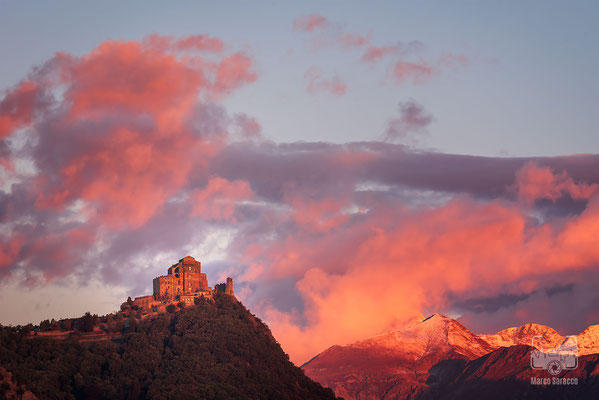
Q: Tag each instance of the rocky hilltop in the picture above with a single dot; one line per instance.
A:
(406, 363)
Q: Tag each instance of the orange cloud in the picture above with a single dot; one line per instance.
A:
(370, 276)
(127, 144)
(534, 182)
(126, 76)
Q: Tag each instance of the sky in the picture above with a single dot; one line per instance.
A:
(351, 168)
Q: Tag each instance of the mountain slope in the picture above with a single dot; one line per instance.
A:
(213, 350)
(394, 364)
(505, 374)
(405, 363)
(588, 340)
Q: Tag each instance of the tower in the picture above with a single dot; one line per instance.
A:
(229, 287)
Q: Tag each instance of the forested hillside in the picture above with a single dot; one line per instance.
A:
(211, 350)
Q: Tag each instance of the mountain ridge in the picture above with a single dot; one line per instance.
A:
(397, 364)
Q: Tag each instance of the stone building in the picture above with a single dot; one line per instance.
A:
(226, 288)
(184, 277)
(184, 282)
(144, 302)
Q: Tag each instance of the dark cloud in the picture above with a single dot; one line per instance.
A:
(270, 167)
(411, 124)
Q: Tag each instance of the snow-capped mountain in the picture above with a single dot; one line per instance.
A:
(403, 364)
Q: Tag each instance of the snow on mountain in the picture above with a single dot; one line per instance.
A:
(588, 340)
(434, 334)
(548, 338)
(398, 364)
(394, 364)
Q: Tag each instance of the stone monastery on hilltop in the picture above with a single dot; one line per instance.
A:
(183, 282)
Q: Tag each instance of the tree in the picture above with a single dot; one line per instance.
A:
(66, 324)
(45, 325)
(87, 323)
(132, 323)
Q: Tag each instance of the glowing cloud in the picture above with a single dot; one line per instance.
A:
(535, 183)
(113, 136)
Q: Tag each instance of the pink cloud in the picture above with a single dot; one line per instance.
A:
(352, 40)
(328, 34)
(9, 250)
(121, 127)
(309, 23)
(334, 85)
(233, 72)
(62, 249)
(17, 107)
(217, 200)
(416, 72)
(318, 216)
(534, 182)
(201, 43)
(374, 53)
(422, 71)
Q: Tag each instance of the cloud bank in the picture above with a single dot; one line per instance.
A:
(121, 160)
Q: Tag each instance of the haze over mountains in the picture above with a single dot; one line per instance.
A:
(413, 361)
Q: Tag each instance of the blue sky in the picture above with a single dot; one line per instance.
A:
(530, 87)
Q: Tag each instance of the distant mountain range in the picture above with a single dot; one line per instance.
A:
(438, 358)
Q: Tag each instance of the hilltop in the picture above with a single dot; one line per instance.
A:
(213, 349)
